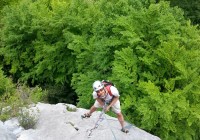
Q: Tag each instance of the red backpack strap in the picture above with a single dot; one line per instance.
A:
(108, 89)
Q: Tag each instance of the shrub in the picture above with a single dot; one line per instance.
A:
(6, 85)
(31, 95)
(28, 118)
(9, 107)
(71, 108)
(38, 95)
(9, 99)
(12, 97)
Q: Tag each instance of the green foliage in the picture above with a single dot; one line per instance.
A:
(152, 73)
(9, 106)
(191, 9)
(6, 85)
(38, 36)
(22, 96)
(31, 95)
(161, 98)
(8, 99)
(125, 66)
(7, 2)
(35, 39)
(38, 95)
(13, 98)
(148, 49)
(84, 94)
(60, 94)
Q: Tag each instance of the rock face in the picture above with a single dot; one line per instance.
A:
(6, 134)
(57, 123)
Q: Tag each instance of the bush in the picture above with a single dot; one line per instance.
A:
(71, 108)
(12, 97)
(9, 99)
(6, 85)
(28, 118)
(10, 107)
(38, 95)
(31, 95)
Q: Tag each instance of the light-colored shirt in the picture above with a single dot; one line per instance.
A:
(108, 98)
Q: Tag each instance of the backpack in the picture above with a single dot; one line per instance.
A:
(107, 85)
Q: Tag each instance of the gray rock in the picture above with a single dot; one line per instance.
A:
(13, 126)
(5, 134)
(57, 123)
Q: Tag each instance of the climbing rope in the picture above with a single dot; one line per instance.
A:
(100, 119)
(102, 116)
(110, 127)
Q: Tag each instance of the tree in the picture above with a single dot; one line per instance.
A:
(155, 59)
(191, 9)
(148, 49)
(34, 49)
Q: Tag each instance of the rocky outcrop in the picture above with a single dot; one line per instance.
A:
(64, 122)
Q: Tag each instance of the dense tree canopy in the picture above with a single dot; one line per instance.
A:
(190, 7)
(148, 49)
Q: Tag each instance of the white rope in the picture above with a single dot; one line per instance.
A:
(100, 119)
(110, 127)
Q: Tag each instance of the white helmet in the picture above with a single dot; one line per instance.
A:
(97, 85)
